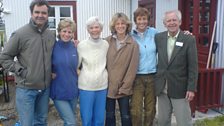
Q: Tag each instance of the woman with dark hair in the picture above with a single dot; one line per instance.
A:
(143, 99)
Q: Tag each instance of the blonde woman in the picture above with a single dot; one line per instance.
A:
(64, 85)
(122, 63)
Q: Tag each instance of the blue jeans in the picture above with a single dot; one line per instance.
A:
(124, 111)
(67, 111)
(32, 106)
(92, 107)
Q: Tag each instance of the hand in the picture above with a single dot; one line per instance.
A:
(78, 71)
(120, 93)
(189, 95)
(187, 33)
(53, 75)
(76, 42)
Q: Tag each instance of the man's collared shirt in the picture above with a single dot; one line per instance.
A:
(171, 44)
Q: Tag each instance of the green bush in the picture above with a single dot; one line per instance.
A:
(217, 121)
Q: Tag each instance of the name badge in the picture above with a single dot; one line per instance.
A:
(179, 44)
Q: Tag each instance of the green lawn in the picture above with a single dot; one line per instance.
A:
(217, 121)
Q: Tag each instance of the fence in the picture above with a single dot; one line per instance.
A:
(209, 88)
(4, 84)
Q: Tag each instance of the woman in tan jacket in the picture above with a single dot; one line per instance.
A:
(122, 63)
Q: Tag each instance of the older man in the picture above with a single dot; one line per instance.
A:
(177, 71)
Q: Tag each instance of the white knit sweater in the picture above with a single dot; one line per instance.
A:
(92, 56)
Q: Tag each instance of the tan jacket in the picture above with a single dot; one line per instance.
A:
(122, 66)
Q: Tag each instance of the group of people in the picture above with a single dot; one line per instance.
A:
(130, 67)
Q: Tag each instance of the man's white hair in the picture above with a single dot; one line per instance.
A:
(177, 13)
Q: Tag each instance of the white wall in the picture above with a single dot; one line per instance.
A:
(19, 14)
(134, 6)
(161, 7)
(219, 59)
(219, 35)
(104, 9)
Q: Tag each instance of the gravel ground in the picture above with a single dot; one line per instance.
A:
(8, 109)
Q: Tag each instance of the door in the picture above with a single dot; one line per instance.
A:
(150, 5)
(198, 17)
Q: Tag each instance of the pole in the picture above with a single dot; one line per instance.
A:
(211, 45)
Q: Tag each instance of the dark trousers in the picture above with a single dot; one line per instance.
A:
(124, 111)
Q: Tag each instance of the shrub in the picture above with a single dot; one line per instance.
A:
(217, 121)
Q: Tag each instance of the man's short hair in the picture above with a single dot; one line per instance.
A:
(176, 12)
(39, 3)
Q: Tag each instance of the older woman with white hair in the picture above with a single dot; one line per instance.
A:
(93, 77)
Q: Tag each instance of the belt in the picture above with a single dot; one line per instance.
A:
(146, 74)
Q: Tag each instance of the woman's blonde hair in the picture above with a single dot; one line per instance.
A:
(123, 17)
(66, 23)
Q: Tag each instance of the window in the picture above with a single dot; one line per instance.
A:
(2, 33)
(58, 13)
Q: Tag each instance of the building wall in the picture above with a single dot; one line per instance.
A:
(134, 6)
(104, 9)
(161, 7)
(19, 14)
(219, 59)
(61, 0)
(219, 35)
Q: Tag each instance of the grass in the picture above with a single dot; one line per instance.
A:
(217, 121)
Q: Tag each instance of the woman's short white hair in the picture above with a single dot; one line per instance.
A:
(94, 20)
